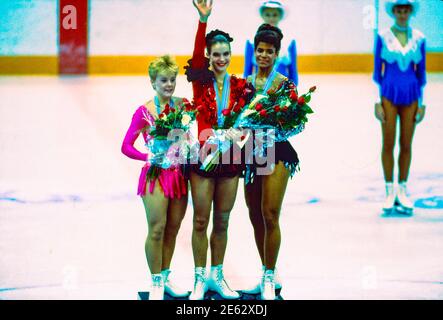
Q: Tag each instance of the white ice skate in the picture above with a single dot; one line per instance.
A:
(172, 289)
(157, 288)
(217, 283)
(402, 202)
(268, 286)
(388, 206)
(200, 286)
(257, 288)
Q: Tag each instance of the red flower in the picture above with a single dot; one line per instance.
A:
(241, 102)
(187, 104)
(301, 101)
(237, 108)
(293, 95)
(226, 112)
(292, 85)
(264, 113)
(208, 101)
(258, 107)
(277, 108)
(285, 108)
(172, 110)
(313, 89)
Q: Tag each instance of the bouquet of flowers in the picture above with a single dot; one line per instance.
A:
(282, 110)
(230, 117)
(172, 143)
(276, 116)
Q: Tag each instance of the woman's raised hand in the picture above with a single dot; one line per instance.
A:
(204, 8)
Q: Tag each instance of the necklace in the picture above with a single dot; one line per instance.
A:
(158, 107)
(222, 102)
(269, 80)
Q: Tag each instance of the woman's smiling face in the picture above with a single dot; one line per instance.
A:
(165, 83)
(265, 54)
(220, 56)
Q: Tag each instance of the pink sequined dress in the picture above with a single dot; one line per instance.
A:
(171, 180)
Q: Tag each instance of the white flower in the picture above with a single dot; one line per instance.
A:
(257, 99)
(186, 119)
(248, 112)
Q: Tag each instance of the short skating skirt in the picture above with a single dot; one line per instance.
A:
(173, 181)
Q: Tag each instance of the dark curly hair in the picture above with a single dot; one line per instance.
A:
(217, 36)
(203, 75)
(268, 34)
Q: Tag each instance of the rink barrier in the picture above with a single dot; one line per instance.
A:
(138, 65)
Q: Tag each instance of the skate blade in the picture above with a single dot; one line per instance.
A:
(389, 211)
(403, 210)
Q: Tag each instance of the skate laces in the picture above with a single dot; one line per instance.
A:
(220, 280)
(219, 277)
(165, 275)
(200, 280)
(268, 278)
(157, 281)
(389, 188)
(402, 188)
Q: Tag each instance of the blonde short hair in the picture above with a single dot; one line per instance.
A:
(160, 64)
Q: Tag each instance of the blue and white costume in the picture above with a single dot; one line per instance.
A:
(286, 63)
(400, 71)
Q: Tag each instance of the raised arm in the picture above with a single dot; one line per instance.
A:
(204, 9)
(137, 124)
(198, 56)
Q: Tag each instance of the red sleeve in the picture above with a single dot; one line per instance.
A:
(199, 61)
(198, 56)
(137, 124)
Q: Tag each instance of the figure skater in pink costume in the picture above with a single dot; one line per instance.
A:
(165, 198)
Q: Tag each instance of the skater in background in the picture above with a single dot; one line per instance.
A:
(264, 194)
(214, 91)
(165, 198)
(400, 72)
(272, 12)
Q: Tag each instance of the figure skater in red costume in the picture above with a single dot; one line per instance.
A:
(214, 91)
